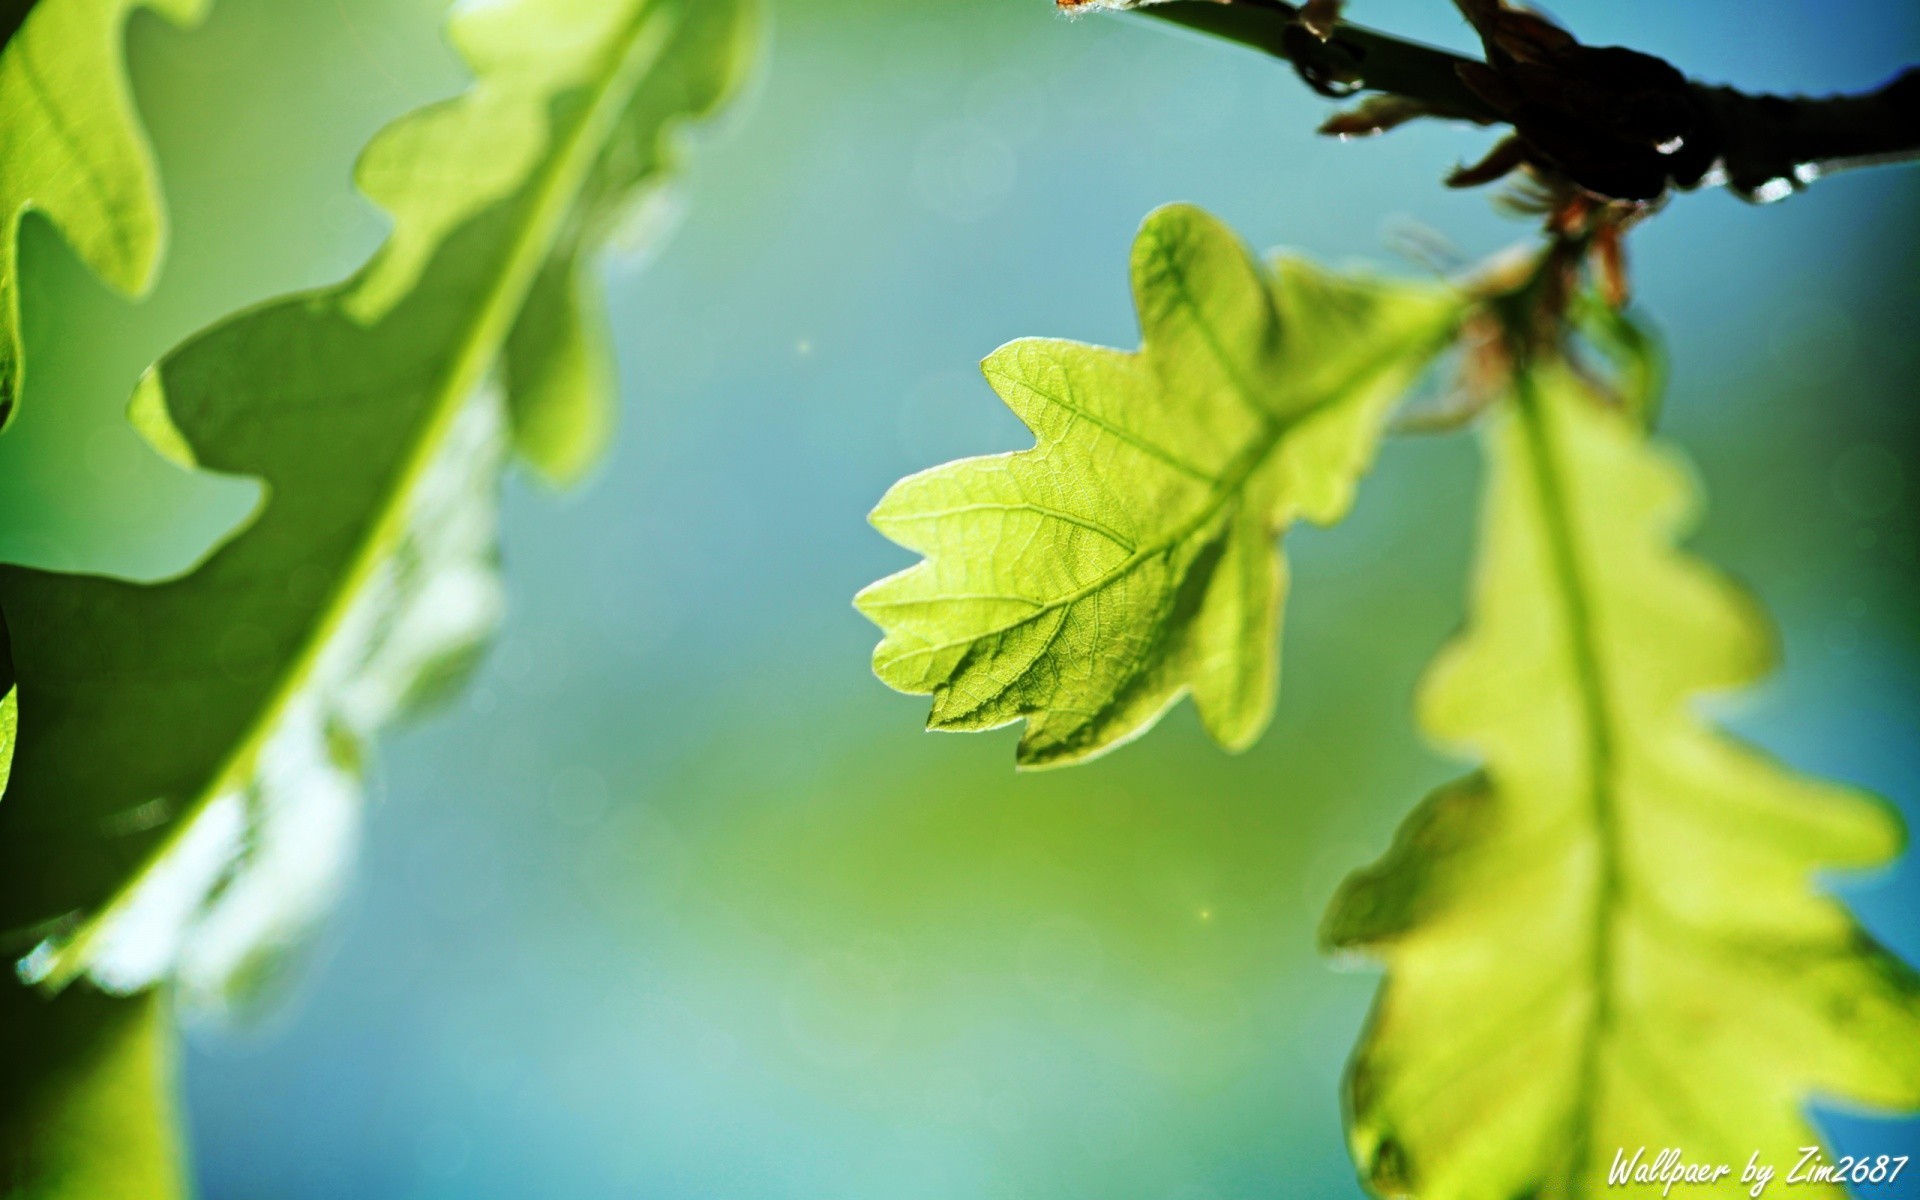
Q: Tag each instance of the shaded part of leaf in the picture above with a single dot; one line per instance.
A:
(1235, 634)
(250, 875)
(558, 375)
(74, 152)
(1419, 875)
(1146, 689)
(1128, 558)
(1614, 935)
(397, 170)
(236, 700)
(86, 1099)
(558, 360)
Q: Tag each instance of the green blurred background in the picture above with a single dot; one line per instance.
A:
(677, 901)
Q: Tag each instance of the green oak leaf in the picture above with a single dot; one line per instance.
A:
(1129, 557)
(8, 717)
(9, 708)
(85, 1110)
(1611, 936)
(184, 777)
(9, 722)
(74, 151)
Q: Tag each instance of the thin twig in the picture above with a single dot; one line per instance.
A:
(1387, 63)
(1763, 147)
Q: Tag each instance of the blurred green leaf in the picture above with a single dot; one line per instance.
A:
(84, 1100)
(1610, 937)
(184, 783)
(1128, 558)
(9, 707)
(74, 150)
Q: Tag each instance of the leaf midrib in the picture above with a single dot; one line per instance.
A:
(1570, 579)
(565, 174)
(1177, 274)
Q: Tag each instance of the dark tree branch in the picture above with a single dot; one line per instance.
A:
(1773, 137)
(1623, 125)
(1384, 63)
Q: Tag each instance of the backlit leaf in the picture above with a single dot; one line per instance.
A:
(1129, 558)
(184, 784)
(9, 709)
(73, 150)
(1611, 936)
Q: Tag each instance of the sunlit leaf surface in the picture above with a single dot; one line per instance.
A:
(184, 783)
(1611, 937)
(1128, 558)
(73, 150)
(84, 1109)
(9, 713)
